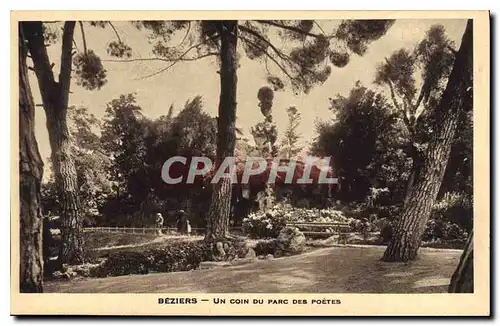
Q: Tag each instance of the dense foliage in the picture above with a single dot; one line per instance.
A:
(180, 256)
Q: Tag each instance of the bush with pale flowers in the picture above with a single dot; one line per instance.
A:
(268, 225)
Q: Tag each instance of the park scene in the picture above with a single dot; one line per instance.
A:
(251, 156)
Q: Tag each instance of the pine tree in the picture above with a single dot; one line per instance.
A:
(305, 61)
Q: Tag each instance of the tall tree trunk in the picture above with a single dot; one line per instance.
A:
(218, 214)
(30, 177)
(462, 280)
(55, 102)
(416, 168)
(458, 93)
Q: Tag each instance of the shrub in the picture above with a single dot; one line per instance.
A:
(269, 225)
(265, 225)
(124, 263)
(455, 208)
(386, 230)
(291, 241)
(266, 247)
(444, 230)
(182, 256)
(389, 212)
(451, 218)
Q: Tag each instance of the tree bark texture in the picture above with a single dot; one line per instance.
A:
(218, 215)
(30, 177)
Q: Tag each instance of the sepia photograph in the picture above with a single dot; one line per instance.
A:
(250, 162)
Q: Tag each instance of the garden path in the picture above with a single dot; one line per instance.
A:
(328, 270)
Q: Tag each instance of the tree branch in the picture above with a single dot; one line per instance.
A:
(33, 31)
(290, 28)
(393, 95)
(163, 59)
(187, 33)
(280, 54)
(174, 63)
(116, 32)
(260, 37)
(268, 55)
(419, 99)
(74, 43)
(319, 26)
(66, 60)
(402, 111)
(181, 58)
(83, 38)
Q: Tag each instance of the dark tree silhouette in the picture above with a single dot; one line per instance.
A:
(30, 176)
(301, 50)
(462, 280)
(416, 211)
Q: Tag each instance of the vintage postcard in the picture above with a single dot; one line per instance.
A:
(250, 163)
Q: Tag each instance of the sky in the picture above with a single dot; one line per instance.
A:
(189, 79)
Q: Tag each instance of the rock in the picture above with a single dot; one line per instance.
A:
(291, 241)
(270, 257)
(260, 257)
(219, 250)
(241, 249)
(250, 254)
(85, 270)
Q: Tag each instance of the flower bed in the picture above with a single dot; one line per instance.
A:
(269, 225)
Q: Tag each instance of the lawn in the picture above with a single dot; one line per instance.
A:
(326, 270)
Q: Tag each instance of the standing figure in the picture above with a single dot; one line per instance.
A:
(159, 224)
(188, 227)
(181, 222)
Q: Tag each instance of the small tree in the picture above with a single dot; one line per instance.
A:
(291, 138)
(361, 120)
(91, 161)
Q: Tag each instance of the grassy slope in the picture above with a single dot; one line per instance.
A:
(96, 240)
